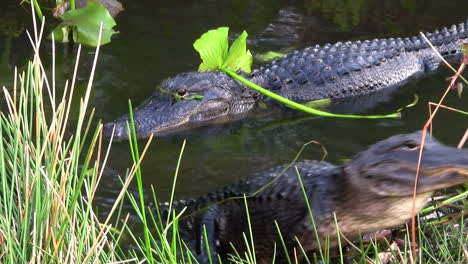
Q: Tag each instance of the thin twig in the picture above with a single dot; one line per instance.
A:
(423, 136)
(463, 140)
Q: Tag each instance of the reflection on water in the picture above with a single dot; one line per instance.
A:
(155, 42)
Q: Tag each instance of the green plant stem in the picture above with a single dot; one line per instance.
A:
(132, 138)
(297, 105)
(286, 253)
(72, 4)
(175, 178)
(207, 245)
(447, 201)
(37, 7)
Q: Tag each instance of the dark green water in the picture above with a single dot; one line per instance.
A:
(155, 42)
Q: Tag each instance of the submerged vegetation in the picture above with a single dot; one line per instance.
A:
(50, 170)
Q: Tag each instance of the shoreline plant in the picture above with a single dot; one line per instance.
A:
(48, 177)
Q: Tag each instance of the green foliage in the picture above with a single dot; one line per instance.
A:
(191, 97)
(269, 56)
(213, 47)
(85, 24)
(238, 56)
(215, 55)
(319, 104)
(465, 49)
(48, 177)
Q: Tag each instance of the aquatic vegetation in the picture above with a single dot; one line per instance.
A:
(83, 23)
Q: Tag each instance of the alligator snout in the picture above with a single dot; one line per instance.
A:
(116, 130)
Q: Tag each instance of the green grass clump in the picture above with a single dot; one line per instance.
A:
(48, 178)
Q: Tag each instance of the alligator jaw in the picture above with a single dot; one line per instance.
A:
(167, 118)
(153, 116)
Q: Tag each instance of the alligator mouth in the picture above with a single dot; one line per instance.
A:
(445, 170)
(214, 110)
(160, 116)
(443, 177)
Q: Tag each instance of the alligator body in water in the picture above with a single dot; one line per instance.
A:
(371, 192)
(340, 70)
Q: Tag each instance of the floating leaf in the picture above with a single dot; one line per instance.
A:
(318, 104)
(86, 23)
(238, 56)
(262, 105)
(246, 62)
(268, 56)
(212, 47)
(61, 34)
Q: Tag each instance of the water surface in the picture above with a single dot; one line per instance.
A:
(155, 42)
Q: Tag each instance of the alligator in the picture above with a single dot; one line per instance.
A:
(340, 70)
(371, 192)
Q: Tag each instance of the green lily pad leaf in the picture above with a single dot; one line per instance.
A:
(61, 34)
(246, 62)
(86, 22)
(212, 47)
(238, 56)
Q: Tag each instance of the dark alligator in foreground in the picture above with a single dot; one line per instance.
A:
(371, 192)
(340, 70)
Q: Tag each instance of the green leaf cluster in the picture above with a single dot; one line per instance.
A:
(85, 23)
(216, 54)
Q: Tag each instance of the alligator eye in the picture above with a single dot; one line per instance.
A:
(410, 146)
(182, 92)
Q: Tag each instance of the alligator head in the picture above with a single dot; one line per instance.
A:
(188, 100)
(378, 183)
